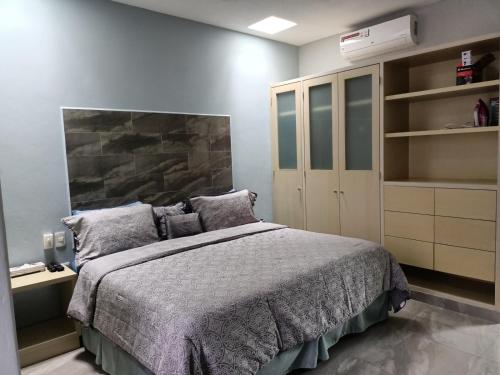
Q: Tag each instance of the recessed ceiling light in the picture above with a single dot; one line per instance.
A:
(272, 25)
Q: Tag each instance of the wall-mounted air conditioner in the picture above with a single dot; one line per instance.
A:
(382, 38)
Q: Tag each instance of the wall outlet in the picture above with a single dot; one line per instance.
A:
(60, 238)
(48, 241)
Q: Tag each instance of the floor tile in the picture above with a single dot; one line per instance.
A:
(419, 340)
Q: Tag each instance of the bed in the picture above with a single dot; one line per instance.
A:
(257, 298)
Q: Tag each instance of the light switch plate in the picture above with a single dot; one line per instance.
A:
(48, 241)
(60, 238)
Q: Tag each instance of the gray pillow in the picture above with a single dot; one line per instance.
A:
(183, 225)
(107, 231)
(161, 215)
(251, 194)
(224, 211)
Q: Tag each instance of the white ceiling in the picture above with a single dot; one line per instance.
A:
(316, 19)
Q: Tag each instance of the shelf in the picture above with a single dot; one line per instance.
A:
(45, 331)
(40, 279)
(445, 183)
(447, 91)
(478, 293)
(47, 339)
(420, 133)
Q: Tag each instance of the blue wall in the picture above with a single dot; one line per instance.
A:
(103, 54)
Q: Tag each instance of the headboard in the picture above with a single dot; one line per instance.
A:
(116, 157)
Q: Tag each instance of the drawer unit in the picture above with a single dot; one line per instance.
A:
(409, 199)
(475, 234)
(461, 261)
(411, 226)
(443, 229)
(411, 252)
(470, 204)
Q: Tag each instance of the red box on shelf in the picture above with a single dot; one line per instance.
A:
(468, 74)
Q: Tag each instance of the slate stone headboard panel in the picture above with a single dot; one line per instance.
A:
(116, 157)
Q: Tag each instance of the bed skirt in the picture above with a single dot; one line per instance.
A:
(116, 361)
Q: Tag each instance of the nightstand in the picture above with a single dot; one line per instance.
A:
(53, 337)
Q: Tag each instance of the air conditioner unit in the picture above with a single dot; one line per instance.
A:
(382, 38)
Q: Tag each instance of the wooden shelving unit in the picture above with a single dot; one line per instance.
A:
(421, 98)
(48, 338)
(449, 91)
(421, 133)
(441, 184)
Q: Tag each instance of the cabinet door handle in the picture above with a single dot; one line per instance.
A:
(341, 192)
(299, 188)
(335, 192)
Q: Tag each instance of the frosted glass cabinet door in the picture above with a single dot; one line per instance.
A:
(320, 126)
(287, 130)
(358, 123)
(359, 153)
(321, 154)
(286, 140)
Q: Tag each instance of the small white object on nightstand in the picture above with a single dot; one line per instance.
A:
(26, 269)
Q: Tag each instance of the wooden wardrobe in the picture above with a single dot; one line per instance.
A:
(325, 146)
(430, 194)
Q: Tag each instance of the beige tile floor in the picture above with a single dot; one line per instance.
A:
(420, 340)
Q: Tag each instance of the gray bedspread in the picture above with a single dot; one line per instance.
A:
(228, 301)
